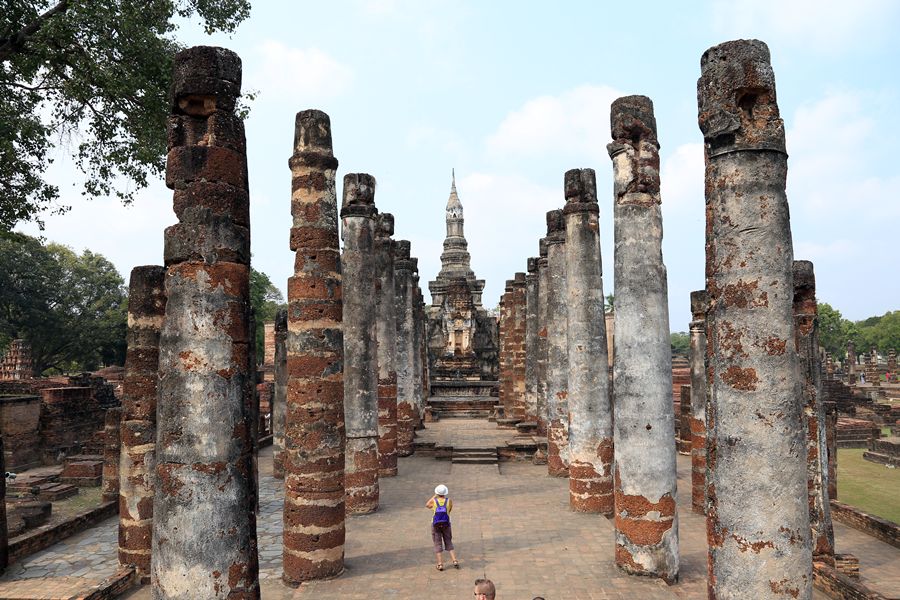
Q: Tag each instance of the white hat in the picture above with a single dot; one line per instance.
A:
(441, 490)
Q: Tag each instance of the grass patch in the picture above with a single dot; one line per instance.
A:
(868, 486)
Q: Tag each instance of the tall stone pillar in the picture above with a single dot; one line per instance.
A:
(503, 363)
(851, 369)
(137, 461)
(699, 306)
(386, 340)
(204, 523)
(645, 479)
(360, 359)
(806, 334)
(543, 346)
(557, 348)
(590, 407)
(418, 339)
(111, 454)
(757, 515)
(4, 529)
(314, 424)
(532, 283)
(279, 395)
(406, 391)
(516, 347)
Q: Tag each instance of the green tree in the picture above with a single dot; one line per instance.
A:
(609, 304)
(681, 343)
(93, 75)
(71, 309)
(265, 300)
(834, 330)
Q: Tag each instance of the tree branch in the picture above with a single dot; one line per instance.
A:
(15, 42)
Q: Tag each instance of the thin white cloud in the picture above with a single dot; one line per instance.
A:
(825, 27)
(573, 123)
(681, 177)
(290, 74)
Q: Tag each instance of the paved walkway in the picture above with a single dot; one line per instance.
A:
(514, 528)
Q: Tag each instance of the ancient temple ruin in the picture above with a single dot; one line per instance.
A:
(462, 337)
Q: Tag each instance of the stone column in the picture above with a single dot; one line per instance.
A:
(386, 339)
(504, 361)
(418, 337)
(137, 464)
(406, 392)
(699, 306)
(517, 347)
(111, 451)
(204, 525)
(531, 339)
(314, 424)
(557, 348)
(360, 360)
(590, 407)
(4, 528)
(279, 396)
(757, 515)
(850, 371)
(892, 361)
(806, 334)
(646, 519)
(542, 342)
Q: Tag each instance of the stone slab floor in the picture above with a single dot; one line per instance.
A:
(513, 526)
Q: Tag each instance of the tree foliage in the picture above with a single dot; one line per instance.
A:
(265, 300)
(71, 309)
(94, 76)
(681, 343)
(881, 333)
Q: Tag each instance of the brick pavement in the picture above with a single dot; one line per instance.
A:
(513, 526)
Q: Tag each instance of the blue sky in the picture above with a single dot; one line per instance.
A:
(512, 94)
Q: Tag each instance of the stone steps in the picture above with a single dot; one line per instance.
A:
(474, 456)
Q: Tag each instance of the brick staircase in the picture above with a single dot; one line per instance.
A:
(465, 407)
(474, 456)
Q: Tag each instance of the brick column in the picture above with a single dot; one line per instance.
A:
(137, 460)
(645, 478)
(360, 360)
(532, 282)
(504, 361)
(111, 451)
(279, 395)
(4, 529)
(757, 519)
(543, 401)
(418, 339)
(557, 349)
(699, 306)
(386, 339)
(806, 334)
(204, 520)
(516, 334)
(590, 407)
(406, 392)
(314, 425)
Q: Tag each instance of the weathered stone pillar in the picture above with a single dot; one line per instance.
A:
(557, 348)
(279, 396)
(137, 463)
(516, 347)
(543, 345)
(532, 286)
(360, 359)
(386, 339)
(757, 519)
(4, 529)
(699, 306)
(850, 370)
(503, 363)
(646, 519)
(204, 524)
(406, 390)
(418, 338)
(806, 334)
(590, 407)
(314, 416)
(111, 454)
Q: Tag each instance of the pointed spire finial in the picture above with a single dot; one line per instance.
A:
(453, 176)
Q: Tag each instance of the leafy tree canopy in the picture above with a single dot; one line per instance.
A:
(71, 309)
(681, 343)
(881, 333)
(94, 76)
(265, 300)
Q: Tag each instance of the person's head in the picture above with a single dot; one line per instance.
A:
(441, 490)
(484, 589)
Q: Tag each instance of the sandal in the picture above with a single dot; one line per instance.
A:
(440, 567)
(455, 564)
